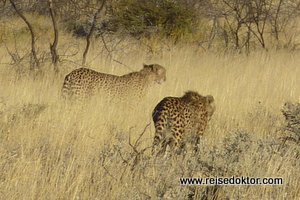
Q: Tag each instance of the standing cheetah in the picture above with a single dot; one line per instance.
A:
(181, 120)
(83, 83)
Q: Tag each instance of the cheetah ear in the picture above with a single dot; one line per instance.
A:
(148, 67)
(159, 71)
(155, 69)
(210, 99)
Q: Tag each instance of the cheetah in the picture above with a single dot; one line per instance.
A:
(83, 83)
(180, 120)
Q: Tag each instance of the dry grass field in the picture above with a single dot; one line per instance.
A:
(51, 149)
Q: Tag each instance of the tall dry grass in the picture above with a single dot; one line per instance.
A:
(50, 149)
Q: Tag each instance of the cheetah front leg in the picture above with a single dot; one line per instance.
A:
(200, 131)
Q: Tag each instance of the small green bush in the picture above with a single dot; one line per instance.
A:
(142, 18)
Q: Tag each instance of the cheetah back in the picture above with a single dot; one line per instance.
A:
(179, 121)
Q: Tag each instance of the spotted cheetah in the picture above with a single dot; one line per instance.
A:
(180, 120)
(83, 83)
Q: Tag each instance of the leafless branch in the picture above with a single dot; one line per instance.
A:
(89, 35)
(36, 63)
(109, 53)
(55, 57)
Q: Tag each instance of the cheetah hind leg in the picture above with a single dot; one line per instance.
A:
(195, 146)
(157, 150)
(165, 148)
(168, 153)
(181, 148)
(189, 148)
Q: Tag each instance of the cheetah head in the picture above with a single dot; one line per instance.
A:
(210, 104)
(155, 73)
(195, 98)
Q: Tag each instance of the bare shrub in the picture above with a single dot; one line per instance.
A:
(291, 111)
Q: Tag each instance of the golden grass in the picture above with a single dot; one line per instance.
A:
(52, 150)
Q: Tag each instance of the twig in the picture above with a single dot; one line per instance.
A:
(109, 53)
(55, 57)
(89, 35)
(33, 52)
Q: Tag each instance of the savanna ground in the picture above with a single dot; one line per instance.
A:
(50, 149)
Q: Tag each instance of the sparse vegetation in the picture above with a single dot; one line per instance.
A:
(291, 111)
(53, 150)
